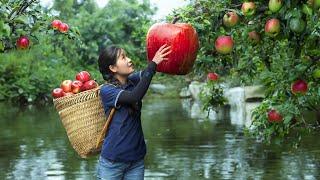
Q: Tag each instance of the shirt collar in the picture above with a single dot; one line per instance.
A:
(129, 82)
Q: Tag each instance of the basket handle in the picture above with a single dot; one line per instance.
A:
(104, 129)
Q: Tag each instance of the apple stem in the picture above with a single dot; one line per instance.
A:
(175, 19)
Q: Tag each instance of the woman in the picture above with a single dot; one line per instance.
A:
(123, 150)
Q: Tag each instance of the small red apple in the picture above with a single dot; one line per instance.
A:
(56, 24)
(63, 27)
(66, 85)
(272, 27)
(213, 76)
(67, 93)
(76, 86)
(224, 44)
(230, 19)
(57, 92)
(89, 85)
(248, 8)
(254, 37)
(83, 76)
(299, 86)
(23, 42)
(274, 116)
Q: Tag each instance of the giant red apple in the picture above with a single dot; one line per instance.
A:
(230, 19)
(272, 27)
(66, 85)
(299, 86)
(76, 86)
(184, 43)
(224, 44)
(248, 8)
(83, 76)
(23, 42)
(57, 92)
(274, 116)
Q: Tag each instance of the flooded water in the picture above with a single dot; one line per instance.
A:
(34, 145)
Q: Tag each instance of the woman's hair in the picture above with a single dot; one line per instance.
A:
(107, 57)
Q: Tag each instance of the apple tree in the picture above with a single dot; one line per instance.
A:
(272, 43)
(22, 22)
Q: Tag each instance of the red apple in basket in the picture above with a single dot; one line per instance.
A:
(67, 93)
(89, 85)
(66, 85)
(57, 92)
(182, 38)
(76, 86)
(83, 76)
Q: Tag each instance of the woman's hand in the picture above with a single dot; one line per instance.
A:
(161, 53)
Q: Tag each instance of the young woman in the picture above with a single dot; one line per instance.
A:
(124, 148)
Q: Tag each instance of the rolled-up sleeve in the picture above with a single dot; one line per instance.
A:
(109, 96)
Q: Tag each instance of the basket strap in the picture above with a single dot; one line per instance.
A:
(104, 129)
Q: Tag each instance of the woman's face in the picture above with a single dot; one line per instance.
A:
(124, 65)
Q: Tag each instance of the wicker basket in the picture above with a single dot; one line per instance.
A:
(83, 117)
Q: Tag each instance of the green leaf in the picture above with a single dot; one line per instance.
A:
(22, 19)
(1, 46)
(4, 29)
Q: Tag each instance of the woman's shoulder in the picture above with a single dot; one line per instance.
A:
(108, 86)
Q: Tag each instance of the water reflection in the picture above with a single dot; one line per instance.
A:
(34, 145)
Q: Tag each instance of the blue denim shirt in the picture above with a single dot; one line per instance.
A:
(124, 140)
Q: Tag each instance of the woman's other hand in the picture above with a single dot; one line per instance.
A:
(161, 54)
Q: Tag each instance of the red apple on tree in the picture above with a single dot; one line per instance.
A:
(57, 92)
(184, 43)
(23, 42)
(299, 86)
(254, 37)
(230, 19)
(89, 85)
(83, 76)
(224, 44)
(274, 116)
(248, 8)
(56, 24)
(66, 85)
(63, 27)
(275, 5)
(76, 86)
(272, 27)
(213, 76)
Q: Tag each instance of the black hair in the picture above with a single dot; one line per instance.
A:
(107, 57)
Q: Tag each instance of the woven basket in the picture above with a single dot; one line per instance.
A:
(83, 117)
